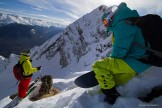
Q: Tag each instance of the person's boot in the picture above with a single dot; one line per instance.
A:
(111, 95)
(13, 96)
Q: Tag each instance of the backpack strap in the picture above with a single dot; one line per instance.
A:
(157, 53)
(22, 62)
(21, 74)
(132, 20)
(136, 21)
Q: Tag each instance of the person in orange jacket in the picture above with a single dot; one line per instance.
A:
(27, 74)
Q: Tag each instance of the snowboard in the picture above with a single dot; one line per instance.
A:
(87, 80)
(16, 100)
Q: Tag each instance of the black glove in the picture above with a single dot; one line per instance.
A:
(111, 95)
(39, 67)
(30, 60)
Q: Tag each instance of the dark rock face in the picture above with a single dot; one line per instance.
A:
(46, 89)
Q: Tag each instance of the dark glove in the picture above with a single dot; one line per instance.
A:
(39, 67)
(30, 60)
(111, 95)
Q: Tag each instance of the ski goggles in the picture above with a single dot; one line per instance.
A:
(105, 22)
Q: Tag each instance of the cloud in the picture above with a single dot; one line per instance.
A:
(51, 6)
(7, 11)
(42, 4)
(142, 6)
(77, 8)
(55, 20)
(35, 8)
(71, 10)
(149, 6)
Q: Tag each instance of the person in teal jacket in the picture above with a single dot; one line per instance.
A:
(123, 64)
(125, 36)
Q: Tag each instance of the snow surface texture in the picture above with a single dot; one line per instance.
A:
(71, 54)
(75, 97)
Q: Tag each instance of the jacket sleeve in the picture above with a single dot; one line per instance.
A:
(123, 42)
(28, 69)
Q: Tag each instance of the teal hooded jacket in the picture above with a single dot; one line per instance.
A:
(125, 36)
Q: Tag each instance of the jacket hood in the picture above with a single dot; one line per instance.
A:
(123, 12)
(24, 57)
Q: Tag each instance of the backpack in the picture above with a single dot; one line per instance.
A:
(151, 28)
(18, 71)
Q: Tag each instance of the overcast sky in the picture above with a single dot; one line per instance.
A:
(67, 11)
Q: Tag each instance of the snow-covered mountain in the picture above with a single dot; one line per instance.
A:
(70, 54)
(6, 19)
(20, 31)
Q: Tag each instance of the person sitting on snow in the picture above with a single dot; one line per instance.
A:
(123, 64)
(27, 74)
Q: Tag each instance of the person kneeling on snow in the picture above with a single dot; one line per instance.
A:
(123, 64)
(27, 74)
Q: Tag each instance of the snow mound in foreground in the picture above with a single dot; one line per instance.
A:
(72, 96)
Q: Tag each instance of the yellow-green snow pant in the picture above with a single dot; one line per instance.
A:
(112, 72)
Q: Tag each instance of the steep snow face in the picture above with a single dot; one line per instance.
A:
(8, 19)
(82, 42)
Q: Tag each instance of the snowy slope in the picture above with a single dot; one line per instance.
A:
(75, 97)
(70, 54)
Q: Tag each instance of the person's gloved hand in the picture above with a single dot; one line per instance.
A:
(30, 60)
(39, 67)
